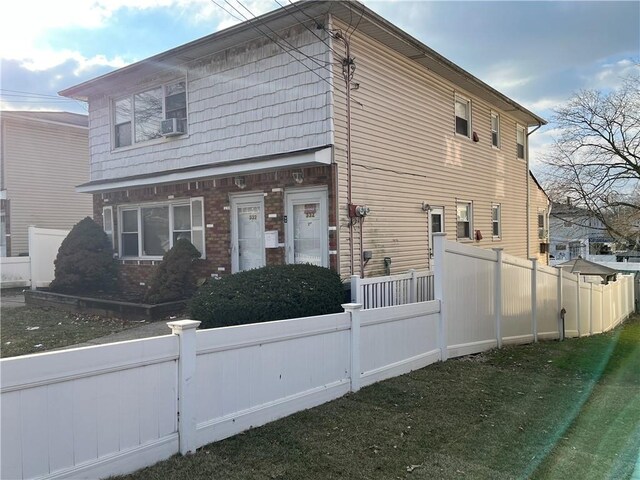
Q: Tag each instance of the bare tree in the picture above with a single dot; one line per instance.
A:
(595, 162)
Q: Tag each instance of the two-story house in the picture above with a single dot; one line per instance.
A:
(317, 133)
(577, 233)
(43, 156)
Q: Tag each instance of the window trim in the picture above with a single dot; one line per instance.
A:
(462, 98)
(131, 96)
(520, 128)
(137, 207)
(543, 232)
(495, 115)
(497, 207)
(470, 238)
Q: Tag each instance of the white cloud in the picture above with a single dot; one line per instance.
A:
(611, 75)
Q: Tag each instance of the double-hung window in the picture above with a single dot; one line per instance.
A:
(464, 221)
(520, 141)
(495, 220)
(495, 130)
(542, 225)
(463, 116)
(148, 231)
(138, 117)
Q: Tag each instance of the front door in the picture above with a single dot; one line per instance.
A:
(306, 230)
(436, 225)
(247, 232)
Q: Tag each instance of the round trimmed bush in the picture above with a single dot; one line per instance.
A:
(85, 262)
(174, 279)
(270, 293)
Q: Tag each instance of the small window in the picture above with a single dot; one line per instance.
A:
(495, 220)
(129, 230)
(542, 225)
(463, 116)
(123, 122)
(107, 222)
(495, 130)
(520, 141)
(464, 216)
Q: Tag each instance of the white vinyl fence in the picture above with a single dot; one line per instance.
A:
(98, 411)
(36, 270)
(377, 292)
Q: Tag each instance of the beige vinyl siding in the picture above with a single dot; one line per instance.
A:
(43, 162)
(405, 152)
(249, 101)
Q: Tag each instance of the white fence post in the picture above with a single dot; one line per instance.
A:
(186, 331)
(498, 296)
(534, 298)
(591, 308)
(356, 294)
(413, 287)
(578, 298)
(438, 290)
(354, 312)
(32, 256)
(560, 302)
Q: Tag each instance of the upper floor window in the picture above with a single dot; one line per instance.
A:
(463, 116)
(520, 141)
(495, 220)
(495, 130)
(464, 219)
(138, 117)
(542, 225)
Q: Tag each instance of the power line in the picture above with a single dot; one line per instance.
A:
(251, 23)
(26, 94)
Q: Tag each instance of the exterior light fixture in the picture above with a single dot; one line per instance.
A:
(298, 177)
(240, 182)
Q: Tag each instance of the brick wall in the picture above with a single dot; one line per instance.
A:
(217, 216)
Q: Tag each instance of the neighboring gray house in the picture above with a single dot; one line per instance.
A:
(43, 156)
(574, 232)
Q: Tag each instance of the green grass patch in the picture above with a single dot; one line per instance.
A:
(25, 330)
(550, 410)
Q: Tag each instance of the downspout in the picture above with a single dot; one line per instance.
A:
(528, 207)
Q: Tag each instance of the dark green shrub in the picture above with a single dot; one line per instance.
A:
(270, 293)
(174, 279)
(85, 261)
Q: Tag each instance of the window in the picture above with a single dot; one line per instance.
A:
(464, 216)
(495, 220)
(520, 139)
(542, 225)
(463, 116)
(151, 230)
(107, 222)
(138, 117)
(495, 130)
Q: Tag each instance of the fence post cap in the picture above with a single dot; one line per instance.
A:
(350, 307)
(177, 326)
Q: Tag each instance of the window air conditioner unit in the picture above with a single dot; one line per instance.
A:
(173, 126)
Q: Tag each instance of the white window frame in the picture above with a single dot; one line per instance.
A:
(469, 204)
(462, 99)
(131, 98)
(497, 131)
(496, 207)
(195, 229)
(108, 226)
(520, 128)
(543, 231)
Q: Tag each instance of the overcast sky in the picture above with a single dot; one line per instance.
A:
(537, 53)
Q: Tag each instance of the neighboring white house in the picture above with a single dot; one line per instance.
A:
(574, 233)
(43, 156)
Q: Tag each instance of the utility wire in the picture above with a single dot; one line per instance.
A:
(320, 64)
(315, 22)
(226, 11)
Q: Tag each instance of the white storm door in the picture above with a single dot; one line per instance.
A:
(247, 232)
(307, 238)
(436, 225)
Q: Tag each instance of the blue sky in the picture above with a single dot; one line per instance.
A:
(537, 53)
